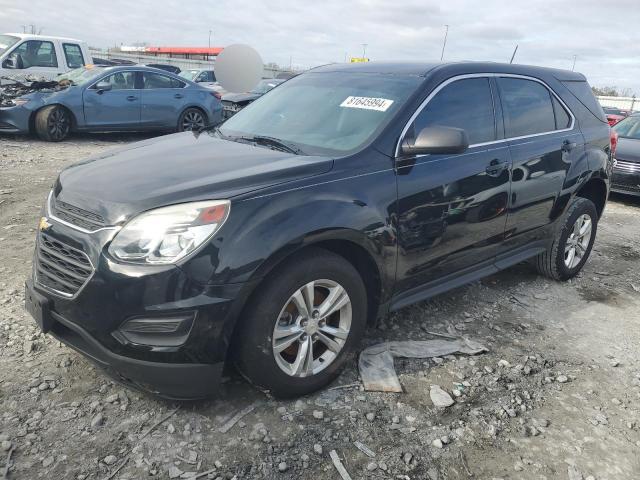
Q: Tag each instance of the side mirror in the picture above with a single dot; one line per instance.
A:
(103, 87)
(436, 140)
(14, 62)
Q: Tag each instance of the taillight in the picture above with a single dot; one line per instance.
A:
(217, 95)
(614, 142)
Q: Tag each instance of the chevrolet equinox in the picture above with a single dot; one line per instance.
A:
(348, 192)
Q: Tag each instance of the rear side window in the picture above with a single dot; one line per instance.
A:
(563, 120)
(154, 80)
(73, 54)
(582, 91)
(527, 107)
(206, 76)
(465, 104)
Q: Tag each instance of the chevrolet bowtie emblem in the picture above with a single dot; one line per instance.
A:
(44, 224)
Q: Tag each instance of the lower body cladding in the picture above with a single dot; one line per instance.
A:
(150, 327)
(626, 178)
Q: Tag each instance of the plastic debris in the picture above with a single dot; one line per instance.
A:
(376, 362)
(339, 466)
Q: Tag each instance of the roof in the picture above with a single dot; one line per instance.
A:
(456, 68)
(29, 36)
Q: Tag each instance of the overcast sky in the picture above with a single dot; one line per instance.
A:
(604, 35)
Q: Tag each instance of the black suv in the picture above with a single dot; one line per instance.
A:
(348, 192)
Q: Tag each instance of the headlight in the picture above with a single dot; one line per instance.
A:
(17, 102)
(167, 234)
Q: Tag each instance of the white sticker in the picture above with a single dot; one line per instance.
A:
(367, 103)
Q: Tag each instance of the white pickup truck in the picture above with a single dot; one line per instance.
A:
(23, 55)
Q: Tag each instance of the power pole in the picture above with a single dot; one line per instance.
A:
(444, 43)
(573, 67)
(514, 54)
(210, 31)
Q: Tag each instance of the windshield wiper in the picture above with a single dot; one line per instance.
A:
(275, 143)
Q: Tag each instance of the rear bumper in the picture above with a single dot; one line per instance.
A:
(179, 381)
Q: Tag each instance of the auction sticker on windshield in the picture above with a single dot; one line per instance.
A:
(367, 103)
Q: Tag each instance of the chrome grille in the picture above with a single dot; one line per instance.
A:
(627, 167)
(76, 215)
(59, 267)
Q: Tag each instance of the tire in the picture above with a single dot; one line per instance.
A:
(192, 119)
(53, 123)
(257, 355)
(554, 262)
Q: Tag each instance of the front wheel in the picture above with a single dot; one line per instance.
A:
(53, 123)
(192, 119)
(303, 324)
(572, 245)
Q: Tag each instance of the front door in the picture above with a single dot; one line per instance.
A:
(118, 108)
(452, 208)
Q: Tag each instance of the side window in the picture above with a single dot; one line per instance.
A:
(202, 77)
(563, 120)
(465, 104)
(212, 76)
(73, 54)
(37, 53)
(527, 107)
(121, 80)
(155, 80)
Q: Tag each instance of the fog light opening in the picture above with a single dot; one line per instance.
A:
(162, 331)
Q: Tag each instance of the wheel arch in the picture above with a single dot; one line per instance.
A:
(32, 117)
(595, 189)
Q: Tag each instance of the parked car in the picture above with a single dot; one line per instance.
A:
(163, 66)
(626, 173)
(234, 102)
(40, 56)
(614, 115)
(199, 76)
(348, 192)
(120, 98)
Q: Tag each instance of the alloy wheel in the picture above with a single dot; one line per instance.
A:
(312, 328)
(578, 241)
(192, 120)
(58, 124)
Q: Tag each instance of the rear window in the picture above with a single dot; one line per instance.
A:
(582, 91)
(527, 107)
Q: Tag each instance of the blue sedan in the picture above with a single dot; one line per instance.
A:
(120, 98)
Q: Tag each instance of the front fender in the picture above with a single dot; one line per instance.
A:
(264, 230)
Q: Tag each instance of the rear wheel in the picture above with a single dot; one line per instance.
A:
(192, 119)
(53, 123)
(303, 325)
(572, 245)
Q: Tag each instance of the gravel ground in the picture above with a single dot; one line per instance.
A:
(557, 396)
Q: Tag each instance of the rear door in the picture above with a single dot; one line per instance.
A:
(544, 143)
(163, 100)
(118, 108)
(452, 208)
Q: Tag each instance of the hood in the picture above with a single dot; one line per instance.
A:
(628, 150)
(177, 168)
(240, 97)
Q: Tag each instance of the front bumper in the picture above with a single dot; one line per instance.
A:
(90, 321)
(626, 178)
(14, 119)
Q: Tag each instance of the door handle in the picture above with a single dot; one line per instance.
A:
(178, 95)
(567, 146)
(496, 167)
(131, 98)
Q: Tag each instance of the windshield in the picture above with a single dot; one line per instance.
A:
(6, 42)
(189, 74)
(628, 128)
(82, 75)
(325, 113)
(265, 85)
